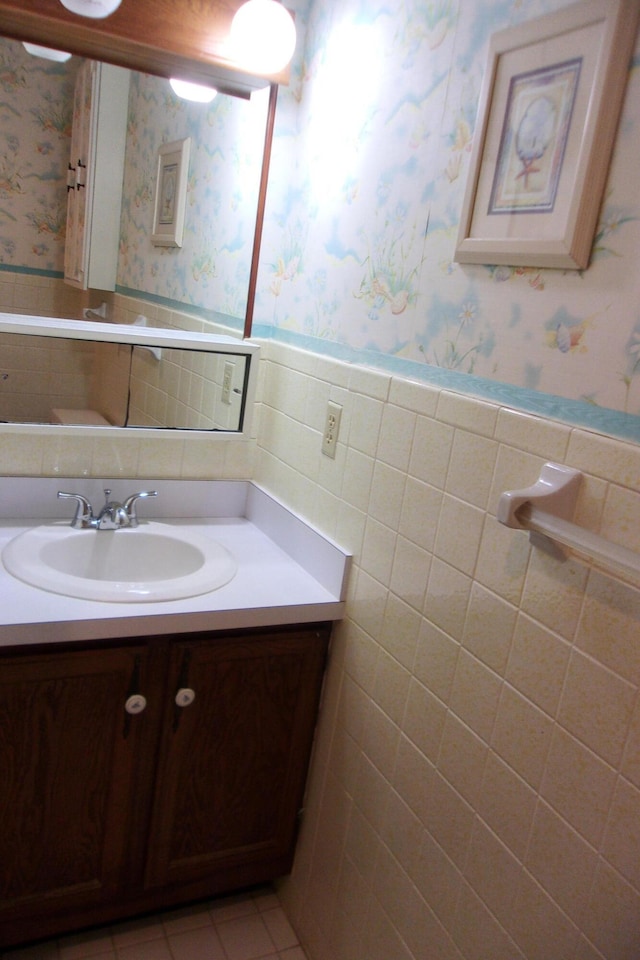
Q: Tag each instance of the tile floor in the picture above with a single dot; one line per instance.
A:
(244, 927)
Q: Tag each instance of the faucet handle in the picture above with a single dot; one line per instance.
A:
(83, 517)
(129, 505)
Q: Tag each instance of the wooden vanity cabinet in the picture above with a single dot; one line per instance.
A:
(105, 814)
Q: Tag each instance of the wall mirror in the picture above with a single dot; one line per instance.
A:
(212, 267)
(154, 273)
(85, 375)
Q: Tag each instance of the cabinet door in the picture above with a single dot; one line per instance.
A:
(74, 246)
(233, 761)
(96, 168)
(67, 759)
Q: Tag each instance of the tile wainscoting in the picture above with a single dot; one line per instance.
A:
(476, 787)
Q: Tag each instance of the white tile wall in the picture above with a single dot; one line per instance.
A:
(475, 789)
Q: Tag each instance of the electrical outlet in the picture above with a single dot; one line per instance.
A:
(227, 378)
(331, 429)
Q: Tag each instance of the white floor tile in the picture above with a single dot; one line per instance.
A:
(246, 938)
(200, 944)
(295, 953)
(229, 908)
(247, 927)
(189, 918)
(137, 931)
(280, 930)
(152, 950)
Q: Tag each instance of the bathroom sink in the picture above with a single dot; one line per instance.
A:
(151, 562)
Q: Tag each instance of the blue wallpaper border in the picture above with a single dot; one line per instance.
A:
(202, 313)
(578, 413)
(31, 271)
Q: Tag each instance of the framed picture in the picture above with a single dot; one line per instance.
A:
(547, 119)
(171, 193)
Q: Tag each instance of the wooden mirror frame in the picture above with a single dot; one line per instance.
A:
(188, 39)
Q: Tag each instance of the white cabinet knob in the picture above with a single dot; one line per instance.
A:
(135, 703)
(185, 696)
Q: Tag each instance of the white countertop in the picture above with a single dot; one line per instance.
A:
(287, 571)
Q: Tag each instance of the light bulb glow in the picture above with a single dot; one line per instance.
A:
(263, 36)
(96, 9)
(37, 51)
(195, 92)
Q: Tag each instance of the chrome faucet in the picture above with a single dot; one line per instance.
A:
(112, 516)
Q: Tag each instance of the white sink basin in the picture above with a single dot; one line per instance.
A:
(151, 562)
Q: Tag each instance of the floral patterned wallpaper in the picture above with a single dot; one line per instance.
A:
(36, 105)
(211, 269)
(374, 137)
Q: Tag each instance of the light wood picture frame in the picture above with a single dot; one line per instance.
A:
(171, 193)
(547, 119)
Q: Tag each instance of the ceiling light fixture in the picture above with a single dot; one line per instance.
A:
(263, 36)
(195, 92)
(36, 51)
(97, 9)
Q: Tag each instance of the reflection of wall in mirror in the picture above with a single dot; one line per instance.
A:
(36, 113)
(184, 389)
(212, 268)
(42, 374)
(109, 387)
(39, 373)
(175, 388)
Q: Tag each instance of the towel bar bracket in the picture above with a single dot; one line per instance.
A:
(546, 511)
(555, 492)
